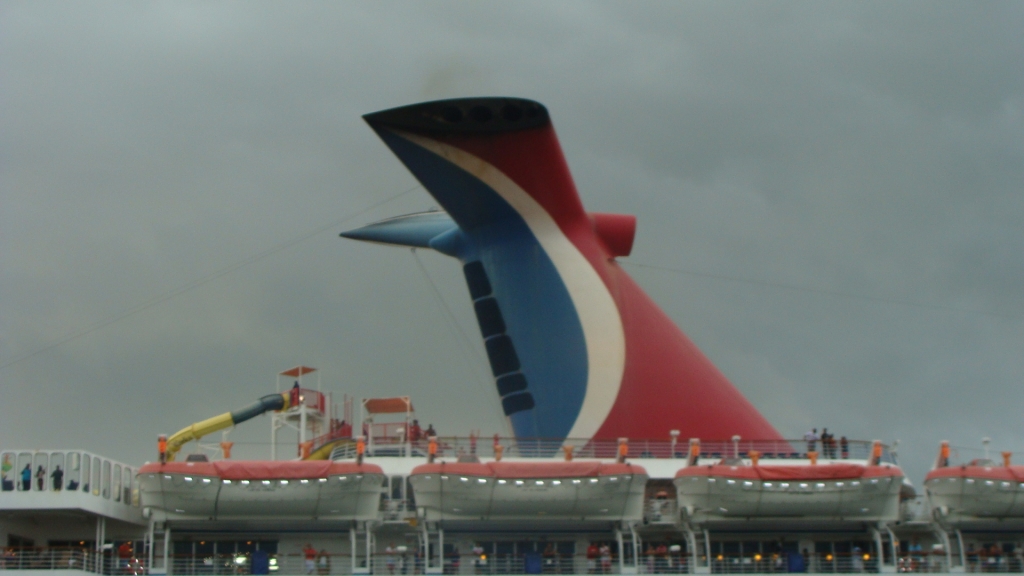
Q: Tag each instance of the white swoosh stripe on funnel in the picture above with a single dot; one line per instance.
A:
(598, 314)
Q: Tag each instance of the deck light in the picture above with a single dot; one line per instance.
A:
(593, 480)
(820, 485)
(464, 479)
(730, 482)
(245, 482)
(304, 481)
(188, 478)
(266, 482)
(757, 557)
(502, 481)
(343, 479)
(206, 480)
(539, 482)
(556, 482)
(444, 477)
(803, 484)
(768, 484)
(613, 479)
(166, 477)
(828, 557)
(969, 481)
(519, 482)
(855, 483)
(784, 485)
(284, 482)
(747, 484)
(481, 480)
(839, 484)
(322, 480)
(577, 481)
(867, 556)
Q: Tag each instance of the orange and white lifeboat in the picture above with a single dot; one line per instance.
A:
(577, 490)
(832, 491)
(977, 491)
(240, 489)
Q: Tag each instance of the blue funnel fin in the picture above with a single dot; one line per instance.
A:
(415, 230)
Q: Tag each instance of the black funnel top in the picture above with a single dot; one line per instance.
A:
(464, 116)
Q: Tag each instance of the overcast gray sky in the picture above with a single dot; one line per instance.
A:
(838, 185)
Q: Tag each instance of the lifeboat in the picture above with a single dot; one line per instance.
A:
(976, 491)
(832, 491)
(529, 490)
(239, 489)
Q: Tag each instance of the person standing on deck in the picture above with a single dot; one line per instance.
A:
(812, 439)
(58, 479)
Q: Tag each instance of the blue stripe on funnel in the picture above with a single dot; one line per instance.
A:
(539, 314)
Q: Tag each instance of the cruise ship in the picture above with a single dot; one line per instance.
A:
(630, 452)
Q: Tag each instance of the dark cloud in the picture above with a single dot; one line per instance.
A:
(839, 183)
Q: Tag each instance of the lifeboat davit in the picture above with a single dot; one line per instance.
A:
(529, 491)
(832, 491)
(238, 489)
(980, 491)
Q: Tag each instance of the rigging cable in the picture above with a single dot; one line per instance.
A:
(200, 282)
(833, 293)
(467, 344)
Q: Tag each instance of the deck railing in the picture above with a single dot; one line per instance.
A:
(455, 446)
(108, 562)
(67, 558)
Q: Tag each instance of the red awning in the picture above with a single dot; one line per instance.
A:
(529, 469)
(298, 371)
(262, 469)
(796, 472)
(1008, 473)
(397, 405)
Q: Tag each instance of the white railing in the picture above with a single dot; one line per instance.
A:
(456, 446)
(68, 559)
(109, 563)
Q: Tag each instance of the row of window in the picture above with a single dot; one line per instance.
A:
(68, 471)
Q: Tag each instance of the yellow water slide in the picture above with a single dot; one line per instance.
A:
(226, 420)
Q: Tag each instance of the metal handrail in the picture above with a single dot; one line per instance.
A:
(638, 448)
